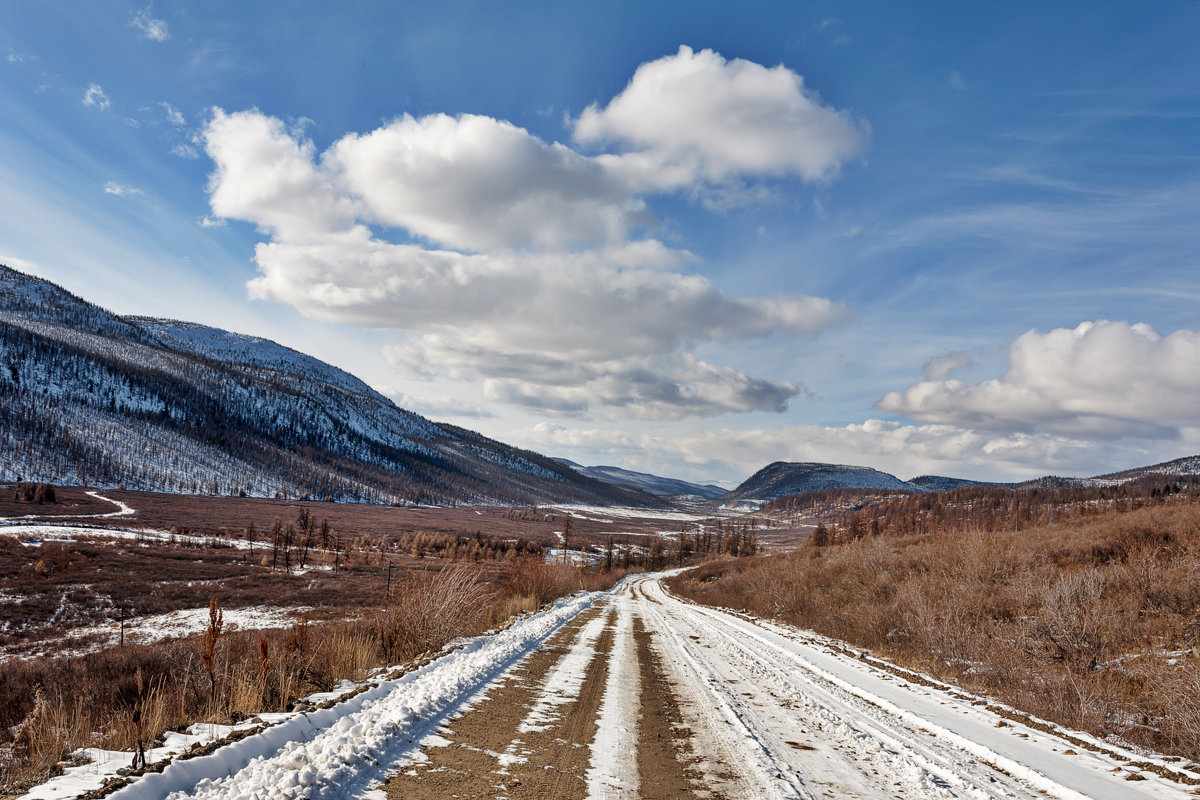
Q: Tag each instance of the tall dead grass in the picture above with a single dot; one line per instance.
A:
(1093, 623)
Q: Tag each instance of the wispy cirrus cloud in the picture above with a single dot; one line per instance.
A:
(174, 115)
(95, 97)
(156, 30)
(528, 265)
(120, 189)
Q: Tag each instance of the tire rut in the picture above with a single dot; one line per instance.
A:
(666, 761)
(484, 755)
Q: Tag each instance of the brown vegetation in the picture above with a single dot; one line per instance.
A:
(1089, 621)
(33, 493)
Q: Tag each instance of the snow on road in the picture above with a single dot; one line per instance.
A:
(123, 510)
(613, 774)
(565, 680)
(807, 720)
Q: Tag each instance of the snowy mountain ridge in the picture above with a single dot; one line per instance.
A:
(89, 397)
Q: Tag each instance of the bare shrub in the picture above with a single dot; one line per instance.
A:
(47, 735)
(431, 608)
(534, 578)
(1072, 624)
(208, 645)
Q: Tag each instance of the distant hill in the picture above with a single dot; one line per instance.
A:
(1188, 465)
(87, 396)
(783, 478)
(653, 484)
(940, 483)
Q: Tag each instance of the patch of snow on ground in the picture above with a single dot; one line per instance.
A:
(34, 534)
(600, 512)
(156, 627)
(554, 555)
(103, 764)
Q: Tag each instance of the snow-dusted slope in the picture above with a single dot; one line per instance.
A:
(253, 351)
(783, 478)
(941, 483)
(646, 482)
(1189, 465)
(89, 397)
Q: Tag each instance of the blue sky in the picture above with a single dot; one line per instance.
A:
(931, 237)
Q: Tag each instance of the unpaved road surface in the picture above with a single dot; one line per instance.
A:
(636, 694)
(652, 697)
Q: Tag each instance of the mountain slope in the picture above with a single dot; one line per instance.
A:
(941, 483)
(88, 396)
(646, 482)
(783, 478)
(1188, 465)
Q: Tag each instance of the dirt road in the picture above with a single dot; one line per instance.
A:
(636, 694)
(647, 696)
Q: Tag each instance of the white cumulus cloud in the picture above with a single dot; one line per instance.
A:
(938, 368)
(526, 265)
(697, 115)
(479, 183)
(1099, 380)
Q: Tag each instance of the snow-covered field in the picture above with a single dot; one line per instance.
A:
(607, 514)
(768, 712)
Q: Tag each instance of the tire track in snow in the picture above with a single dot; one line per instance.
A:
(716, 717)
(869, 715)
(613, 774)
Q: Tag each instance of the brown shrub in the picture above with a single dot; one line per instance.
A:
(540, 581)
(430, 609)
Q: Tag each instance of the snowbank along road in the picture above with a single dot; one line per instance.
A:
(636, 694)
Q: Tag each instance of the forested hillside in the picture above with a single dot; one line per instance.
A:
(88, 397)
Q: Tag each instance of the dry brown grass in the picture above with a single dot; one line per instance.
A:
(1093, 622)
